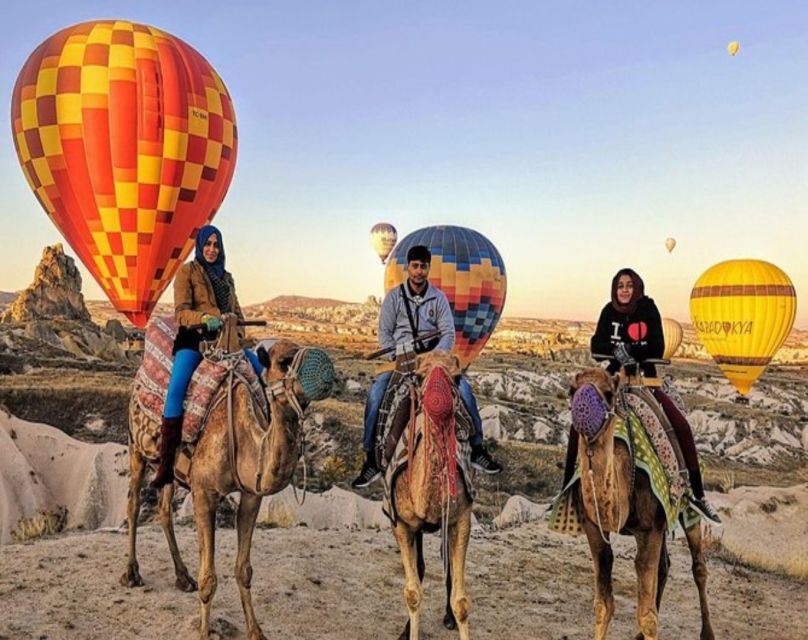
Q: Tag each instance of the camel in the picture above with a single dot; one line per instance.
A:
(265, 461)
(423, 502)
(610, 506)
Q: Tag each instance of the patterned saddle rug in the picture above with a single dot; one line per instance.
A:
(151, 380)
(566, 513)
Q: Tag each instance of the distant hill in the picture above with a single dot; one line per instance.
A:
(7, 297)
(285, 303)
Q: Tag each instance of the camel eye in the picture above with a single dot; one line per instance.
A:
(609, 396)
(285, 363)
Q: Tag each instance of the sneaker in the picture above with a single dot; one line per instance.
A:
(482, 461)
(703, 507)
(369, 474)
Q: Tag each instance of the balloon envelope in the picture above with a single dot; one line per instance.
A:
(127, 136)
(743, 311)
(383, 238)
(574, 328)
(733, 47)
(467, 267)
(672, 333)
(670, 244)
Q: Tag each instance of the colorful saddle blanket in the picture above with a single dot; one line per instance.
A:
(398, 465)
(151, 379)
(566, 515)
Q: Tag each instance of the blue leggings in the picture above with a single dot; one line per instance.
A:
(185, 363)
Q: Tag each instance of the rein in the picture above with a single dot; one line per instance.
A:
(283, 387)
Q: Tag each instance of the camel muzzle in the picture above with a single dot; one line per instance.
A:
(590, 412)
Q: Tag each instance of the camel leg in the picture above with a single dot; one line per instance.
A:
(694, 542)
(245, 522)
(184, 580)
(205, 503)
(412, 586)
(662, 577)
(448, 617)
(458, 546)
(137, 467)
(602, 560)
(646, 563)
(421, 566)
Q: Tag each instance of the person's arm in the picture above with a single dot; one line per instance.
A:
(601, 342)
(445, 323)
(387, 321)
(184, 312)
(654, 344)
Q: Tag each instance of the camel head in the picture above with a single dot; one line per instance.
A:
(438, 371)
(305, 373)
(593, 398)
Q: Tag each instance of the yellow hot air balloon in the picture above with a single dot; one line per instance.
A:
(383, 238)
(733, 47)
(743, 311)
(672, 333)
(670, 243)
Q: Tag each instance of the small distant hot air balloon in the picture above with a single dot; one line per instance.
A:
(383, 238)
(743, 311)
(573, 329)
(467, 267)
(672, 333)
(670, 244)
(127, 136)
(733, 47)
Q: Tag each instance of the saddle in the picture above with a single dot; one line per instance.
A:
(397, 404)
(205, 391)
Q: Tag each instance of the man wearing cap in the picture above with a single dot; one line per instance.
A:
(416, 307)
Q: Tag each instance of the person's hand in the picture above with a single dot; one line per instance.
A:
(622, 355)
(212, 323)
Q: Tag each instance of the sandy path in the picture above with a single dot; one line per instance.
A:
(525, 583)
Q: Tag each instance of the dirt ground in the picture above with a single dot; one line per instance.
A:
(337, 584)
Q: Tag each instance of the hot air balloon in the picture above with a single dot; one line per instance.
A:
(467, 267)
(672, 334)
(670, 244)
(383, 238)
(743, 311)
(127, 136)
(733, 47)
(573, 329)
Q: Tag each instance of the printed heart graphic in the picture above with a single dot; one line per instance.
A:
(637, 331)
(727, 327)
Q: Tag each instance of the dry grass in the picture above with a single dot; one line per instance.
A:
(43, 524)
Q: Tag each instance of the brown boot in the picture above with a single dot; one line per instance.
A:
(170, 438)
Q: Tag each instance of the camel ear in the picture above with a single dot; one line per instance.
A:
(263, 356)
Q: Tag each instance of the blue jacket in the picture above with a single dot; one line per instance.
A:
(432, 313)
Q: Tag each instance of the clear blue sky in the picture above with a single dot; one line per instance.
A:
(576, 135)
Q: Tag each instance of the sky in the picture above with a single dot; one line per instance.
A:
(576, 136)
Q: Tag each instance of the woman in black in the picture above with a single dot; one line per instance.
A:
(630, 330)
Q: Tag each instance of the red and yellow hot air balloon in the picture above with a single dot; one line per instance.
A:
(467, 267)
(743, 311)
(127, 136)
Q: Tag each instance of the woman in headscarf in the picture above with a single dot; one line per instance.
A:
(203, 294)
(630, 330)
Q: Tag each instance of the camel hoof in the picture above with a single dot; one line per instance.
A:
(449, 621)
(131, 578)
(186, 583)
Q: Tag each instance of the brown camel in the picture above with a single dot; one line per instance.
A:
(610, 506)
(423, 501)
(264, 460)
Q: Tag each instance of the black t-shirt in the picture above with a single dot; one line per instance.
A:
(640, 331)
